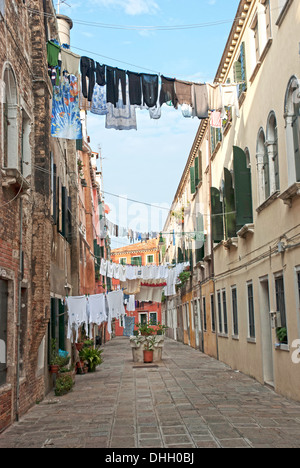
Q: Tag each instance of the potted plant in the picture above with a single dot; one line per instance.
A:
(145, 329)
(54, 358)
(63, 385)
(149, 349)
(161, 329)
(282, 335)
(92, 357)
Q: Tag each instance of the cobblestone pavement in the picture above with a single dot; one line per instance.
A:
(188, 401)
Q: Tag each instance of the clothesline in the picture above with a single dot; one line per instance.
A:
(116, 94)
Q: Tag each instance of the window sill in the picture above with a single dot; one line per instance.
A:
(13, 177)
(261, 59)
(292, 192)
(268, 201)
(222, 335)
(247, 229)
(281, 347)
(283, 13)
(251, 340)
(235, 337)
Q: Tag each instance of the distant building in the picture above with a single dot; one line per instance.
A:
(141, 254)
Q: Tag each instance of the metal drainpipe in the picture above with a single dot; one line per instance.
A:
(212, 247)
(19, 291)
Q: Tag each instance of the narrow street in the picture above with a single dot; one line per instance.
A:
(188, 401)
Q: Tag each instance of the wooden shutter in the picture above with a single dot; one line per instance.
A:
(197, 180)
(268, 19)
(54, 195)
(192, 177)
(217, 216)
(267, 173)
(242, 188)
(295, 126)
(229, 205)
(64, 196)
(3, 328)
(243, 86)
(237, 71)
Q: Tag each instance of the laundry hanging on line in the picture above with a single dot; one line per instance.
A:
(116, 93)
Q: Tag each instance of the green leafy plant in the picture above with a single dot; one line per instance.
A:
(145, 328)
(282, 335)
(184, 277)
(63, 385)
(161, 329)
(92, 357)
(150, 343)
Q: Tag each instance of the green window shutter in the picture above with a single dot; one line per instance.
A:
(197, 179)
(229, 205)
(217, 225)
(295, 126)
(237, 71)
(192, 174)
(242, 188)
(180, 256)
(243, 86)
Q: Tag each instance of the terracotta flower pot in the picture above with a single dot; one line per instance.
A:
(148, 356)
(54, 369)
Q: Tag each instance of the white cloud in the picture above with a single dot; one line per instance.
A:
(132, 7)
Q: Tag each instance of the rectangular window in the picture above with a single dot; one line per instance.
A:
(212, 313)
(137, 261)
(2, 8)
(280, 300)
(220, 312)
(122, 261)
(234, 311)
(150, 259)
(204, 314)
(225, 312)
(3, 329)
(153, 318)
(298, 277)
(251, 311)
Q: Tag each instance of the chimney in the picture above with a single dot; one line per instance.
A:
(65, 24)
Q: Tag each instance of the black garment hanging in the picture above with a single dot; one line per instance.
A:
(113, 77)
(121, 76)
(100, 74)
(167, 92)
(150, 89)
(135, 88)
(110, 88)
(87, 68)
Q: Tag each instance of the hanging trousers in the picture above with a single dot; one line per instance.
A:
(135, 88)
(87, 68)
(113, 77)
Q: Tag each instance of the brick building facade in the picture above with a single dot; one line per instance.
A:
(40, 235)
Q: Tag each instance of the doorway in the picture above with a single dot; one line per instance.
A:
(266, 330)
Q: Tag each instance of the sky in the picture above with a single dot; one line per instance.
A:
(146, 165)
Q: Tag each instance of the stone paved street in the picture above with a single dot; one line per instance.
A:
(189, 401)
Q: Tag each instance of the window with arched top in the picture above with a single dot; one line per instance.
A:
(272, 149)
(263, 167)
(10, 120)
(292, 120)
